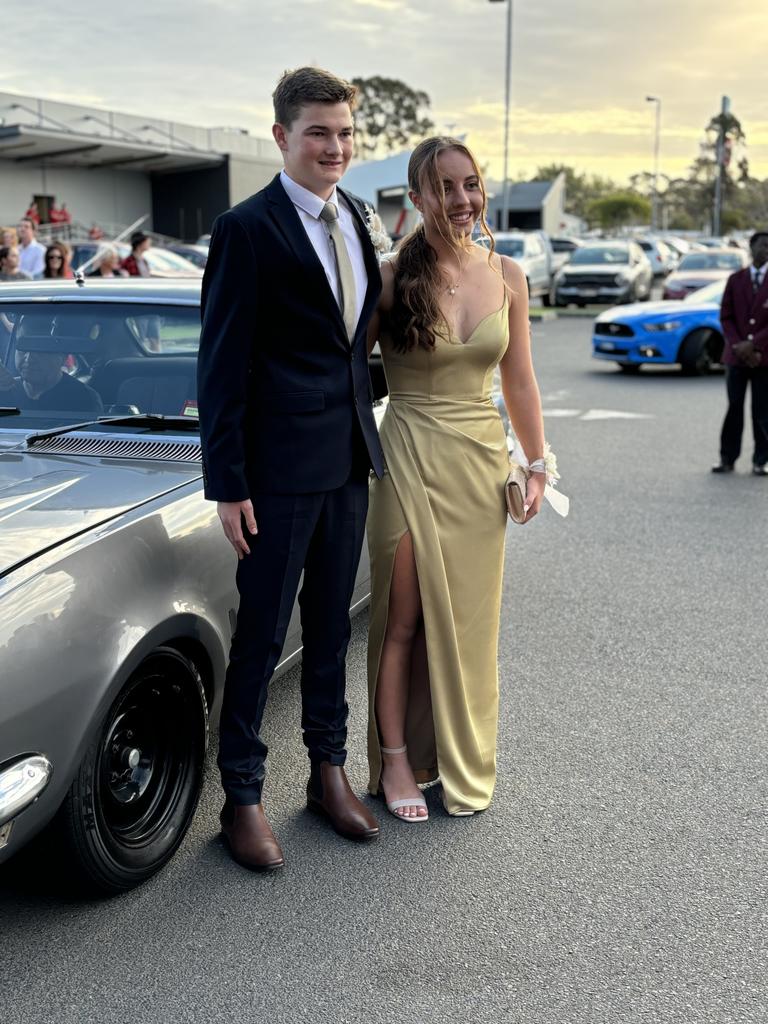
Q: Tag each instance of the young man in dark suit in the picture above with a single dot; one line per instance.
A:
(744, 318)
(289, 438)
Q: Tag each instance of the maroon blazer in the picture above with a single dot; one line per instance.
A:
(744, 315)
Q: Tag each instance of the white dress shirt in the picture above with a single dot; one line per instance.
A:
(309, 206)
(32, 258)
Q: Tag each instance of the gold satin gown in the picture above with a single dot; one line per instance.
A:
(447, 462)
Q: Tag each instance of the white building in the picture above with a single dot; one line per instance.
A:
(113, 168)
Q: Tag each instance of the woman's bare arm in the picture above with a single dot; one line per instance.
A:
(384, 304)
(518, 381)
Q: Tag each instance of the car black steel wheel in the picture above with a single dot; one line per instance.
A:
(695, 356)
(139, 783)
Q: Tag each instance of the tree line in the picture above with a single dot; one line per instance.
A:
(391, 117)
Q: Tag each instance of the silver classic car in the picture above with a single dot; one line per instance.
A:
(117, 597)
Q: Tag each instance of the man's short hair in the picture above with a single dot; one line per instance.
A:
(757, 234)
(28, 220)
(299, 88)
(137, 238)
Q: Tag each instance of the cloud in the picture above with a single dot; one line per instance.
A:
(580, 72)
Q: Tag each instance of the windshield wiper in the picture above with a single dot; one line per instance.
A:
(9, 410)
(154, 421)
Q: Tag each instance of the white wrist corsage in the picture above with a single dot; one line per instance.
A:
(378, 233)
(548, 465)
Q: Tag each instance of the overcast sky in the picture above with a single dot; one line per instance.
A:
(580, 72)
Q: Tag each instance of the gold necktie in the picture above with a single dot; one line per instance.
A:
(346, 277)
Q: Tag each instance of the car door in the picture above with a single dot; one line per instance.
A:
(539, 274)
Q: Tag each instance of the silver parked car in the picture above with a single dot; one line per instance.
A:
(533, 252)
(606, 271)
(117, 596)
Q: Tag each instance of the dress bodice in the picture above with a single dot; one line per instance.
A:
(453, 369)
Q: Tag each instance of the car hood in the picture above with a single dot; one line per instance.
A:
(596, 268)
(654, 310)
(699, 277)
(47, 500)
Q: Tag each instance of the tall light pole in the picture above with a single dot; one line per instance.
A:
(507, 89)
(656, 140)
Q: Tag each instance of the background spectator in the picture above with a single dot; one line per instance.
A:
(107, 263)
(33, 213)
(135, 264)
(57, 261)
(95, 232)
(8, 236)
(9, 265)
(32, 253)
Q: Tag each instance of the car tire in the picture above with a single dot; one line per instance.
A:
(630, 368)
(695, 357)
(139, 782)
(548, 298)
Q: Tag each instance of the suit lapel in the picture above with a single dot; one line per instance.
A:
(288, 223)
(759, 297)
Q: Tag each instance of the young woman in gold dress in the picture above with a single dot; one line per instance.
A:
(451, 311)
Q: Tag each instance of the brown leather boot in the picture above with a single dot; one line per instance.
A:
(250, 839)
(349, 817)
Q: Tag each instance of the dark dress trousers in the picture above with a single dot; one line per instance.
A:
(744, 317)
(286, 420)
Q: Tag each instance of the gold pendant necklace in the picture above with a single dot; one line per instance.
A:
(451, 289)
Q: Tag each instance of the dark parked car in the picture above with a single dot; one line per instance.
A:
(609, 271)
(117, 596)
(698, 269)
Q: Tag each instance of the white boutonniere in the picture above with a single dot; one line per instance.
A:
(378, 233)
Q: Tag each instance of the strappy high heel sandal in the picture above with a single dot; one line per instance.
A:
(414, 801)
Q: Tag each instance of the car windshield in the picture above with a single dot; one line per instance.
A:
(711, 261)
(600, 254)
(709, 293)
(509, 246)
(562, 245)
(71, 362)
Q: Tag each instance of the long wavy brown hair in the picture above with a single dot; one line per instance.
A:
(416, 316)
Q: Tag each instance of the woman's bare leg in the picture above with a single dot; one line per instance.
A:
(403, 621)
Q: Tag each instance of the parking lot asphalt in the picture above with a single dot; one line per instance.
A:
(619, 876)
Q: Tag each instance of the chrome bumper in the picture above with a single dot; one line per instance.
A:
(21, 783)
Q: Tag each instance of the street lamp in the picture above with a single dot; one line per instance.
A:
(507, 86)
(655, 207)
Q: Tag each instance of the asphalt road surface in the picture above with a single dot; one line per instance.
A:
(619, 875)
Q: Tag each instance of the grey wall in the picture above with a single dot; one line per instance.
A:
(247, 175)
(107, 196)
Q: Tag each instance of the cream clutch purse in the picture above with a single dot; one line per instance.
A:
(514, 492)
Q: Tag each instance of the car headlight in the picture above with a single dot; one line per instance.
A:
(664, 325)
(621, 278)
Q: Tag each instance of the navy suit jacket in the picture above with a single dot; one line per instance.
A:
(282, 393)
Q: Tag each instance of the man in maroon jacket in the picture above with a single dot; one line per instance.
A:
(744, 317)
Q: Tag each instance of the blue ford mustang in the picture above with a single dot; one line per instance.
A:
(686, 332)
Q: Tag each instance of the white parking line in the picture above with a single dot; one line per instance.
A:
(615, 414)
(597, 414)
